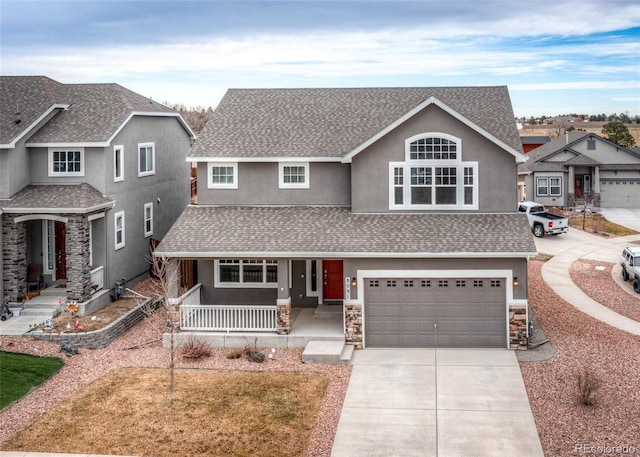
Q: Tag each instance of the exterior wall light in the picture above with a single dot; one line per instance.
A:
(516, 283)
(354, 282)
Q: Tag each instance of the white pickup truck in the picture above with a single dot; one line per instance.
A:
(541, 221)
(631, 266)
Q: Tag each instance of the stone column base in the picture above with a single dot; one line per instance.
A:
(283, 326)
(353, 324)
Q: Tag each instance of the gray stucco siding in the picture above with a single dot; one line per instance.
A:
(370, 168)
(211, 295)
(258, 184)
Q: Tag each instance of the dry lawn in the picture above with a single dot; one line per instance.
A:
(597, 223)
(215, 413)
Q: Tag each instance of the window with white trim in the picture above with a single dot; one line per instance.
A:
(118, 163)
(222, 175)
(437, 176)
(118, 225)
(66, 162)
(146, 159)
(148, 219)
(293, 175)
(549, 187)
(247, 272)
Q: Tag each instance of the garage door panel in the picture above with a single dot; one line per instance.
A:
(401, 312)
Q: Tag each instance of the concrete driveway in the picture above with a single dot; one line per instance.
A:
(436, 402)
(628, 217)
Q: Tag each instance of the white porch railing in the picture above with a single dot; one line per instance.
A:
(228, 318)
(97, 279)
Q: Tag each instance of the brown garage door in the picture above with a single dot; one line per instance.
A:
(401, 312)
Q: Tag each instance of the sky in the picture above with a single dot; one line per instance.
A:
(556, 56)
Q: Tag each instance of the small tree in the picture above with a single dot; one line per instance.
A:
(168, 312)
(618, 133)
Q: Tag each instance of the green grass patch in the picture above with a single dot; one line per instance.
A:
(19, 373)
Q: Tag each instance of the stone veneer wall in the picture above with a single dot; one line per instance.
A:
(518, 327)
(353, 325)
(77, 246)
(14, 258)
(103, 337)
(283, 326)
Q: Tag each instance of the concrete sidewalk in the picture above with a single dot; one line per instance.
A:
(575, 245)
(429, 402)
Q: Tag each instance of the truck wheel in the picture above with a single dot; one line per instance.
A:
(636, 285)
(538, 231)
(625, 275)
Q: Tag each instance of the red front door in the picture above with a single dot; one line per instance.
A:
(332, 288)
(61, 250)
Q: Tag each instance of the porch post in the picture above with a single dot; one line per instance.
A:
(596, 186)
(571, 187)
(14, 258)
(77, 250)
(283, 303)
(173, 278)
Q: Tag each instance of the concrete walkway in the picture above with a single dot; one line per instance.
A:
(436, 402)
(576, 244)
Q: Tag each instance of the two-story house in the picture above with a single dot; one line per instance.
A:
(580, 166)
(397, 203)
(90, 174)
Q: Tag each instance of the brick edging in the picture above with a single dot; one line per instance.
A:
(97, 339)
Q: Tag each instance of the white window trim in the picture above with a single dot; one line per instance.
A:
(456, 163)
(153, 159)
(559, 186)
(115, 230)
(53, 174)
(211, 185)
(283, 185)
(548, 180)
(144, 219)
(118, 153)
(244, 285)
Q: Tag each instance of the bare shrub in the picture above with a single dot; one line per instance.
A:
(236, 353)
(194, 348)
(588, 383)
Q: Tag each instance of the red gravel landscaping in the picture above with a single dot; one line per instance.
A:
(599, 285)
(565, 426)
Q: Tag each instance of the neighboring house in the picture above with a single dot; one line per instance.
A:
(89, 175)
(577, 165)
(532, 142)
(397, 203)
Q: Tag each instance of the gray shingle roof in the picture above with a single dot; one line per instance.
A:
(96, 111)
(209, 231)
(57, 198)
(332, 122)
(537, 157)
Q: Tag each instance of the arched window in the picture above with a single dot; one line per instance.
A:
(433, 175)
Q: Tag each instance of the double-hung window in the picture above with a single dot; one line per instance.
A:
(118, 163)
(118, 223)
(222, 176)
(433, 175)
(66, 162)
(148, 219)
(246, 272)
(146, 159)
(293, 175)
(549, 187)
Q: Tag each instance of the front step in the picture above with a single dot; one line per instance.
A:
(43, 310)
(331, 352)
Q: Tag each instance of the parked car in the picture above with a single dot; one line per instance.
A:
(541, 221)
(631, 266)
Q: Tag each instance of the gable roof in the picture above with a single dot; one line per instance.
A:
(307, 232)
(273, 124)
(87, 114)
(535, 139)
(538, 156)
